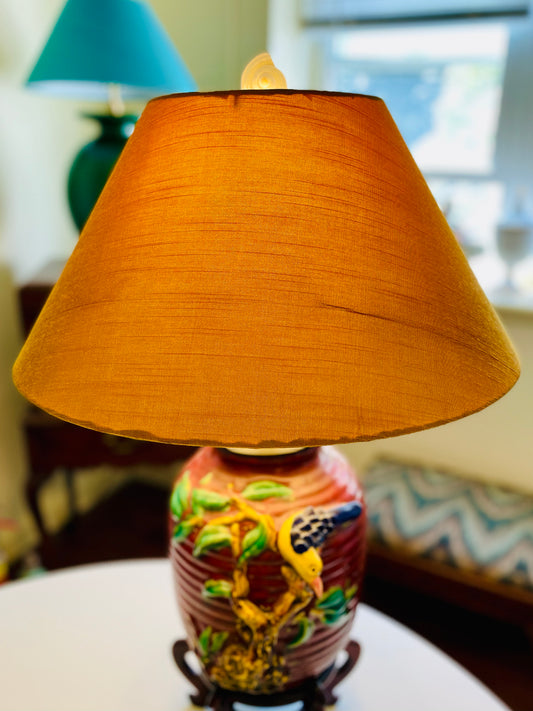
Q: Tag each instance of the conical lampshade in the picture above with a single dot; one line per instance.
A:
(99, 42)
(266, 269)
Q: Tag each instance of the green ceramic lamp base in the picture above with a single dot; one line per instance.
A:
(94, 162)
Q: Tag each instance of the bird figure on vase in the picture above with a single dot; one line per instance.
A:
(304, 532)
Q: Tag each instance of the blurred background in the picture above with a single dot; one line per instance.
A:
(457, 76)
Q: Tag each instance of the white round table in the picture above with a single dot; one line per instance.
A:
(99, 638)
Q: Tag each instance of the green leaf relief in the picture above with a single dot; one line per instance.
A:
(203, 641)
(332, 617)
(351, 592)
(182, 531)
(212, 538)
(210, 643)
(332, 606)
(206, 479)
(306, 627)
(217, 588)
(260, 490)
(203, 499)
(254, 543)
(217, 641)
(179, 498)
(332, 599)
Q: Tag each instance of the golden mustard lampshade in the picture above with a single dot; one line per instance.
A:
(266, 269)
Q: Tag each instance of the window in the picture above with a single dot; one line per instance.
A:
(442, 85)
(460, 91)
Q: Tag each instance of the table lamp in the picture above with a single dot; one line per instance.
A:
(107, 51)
(266, 272)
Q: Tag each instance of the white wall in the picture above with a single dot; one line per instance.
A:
(37, 138)
(217, 38)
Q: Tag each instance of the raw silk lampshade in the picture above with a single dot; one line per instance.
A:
(266, 269)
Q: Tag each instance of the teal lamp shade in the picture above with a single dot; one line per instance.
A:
(107, 50)
(100, 42)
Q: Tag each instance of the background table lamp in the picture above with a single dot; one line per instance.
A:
(107, 51)
(266, 269)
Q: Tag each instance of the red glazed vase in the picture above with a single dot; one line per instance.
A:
(267, 556)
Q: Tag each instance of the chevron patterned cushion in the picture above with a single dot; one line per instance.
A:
(433, 514)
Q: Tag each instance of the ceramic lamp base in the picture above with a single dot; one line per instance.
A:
(315, 694)
(268, 556)
(95, 161)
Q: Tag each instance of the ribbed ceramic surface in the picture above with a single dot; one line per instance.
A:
(318, 478)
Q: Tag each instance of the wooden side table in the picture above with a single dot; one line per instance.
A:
(57, 445)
